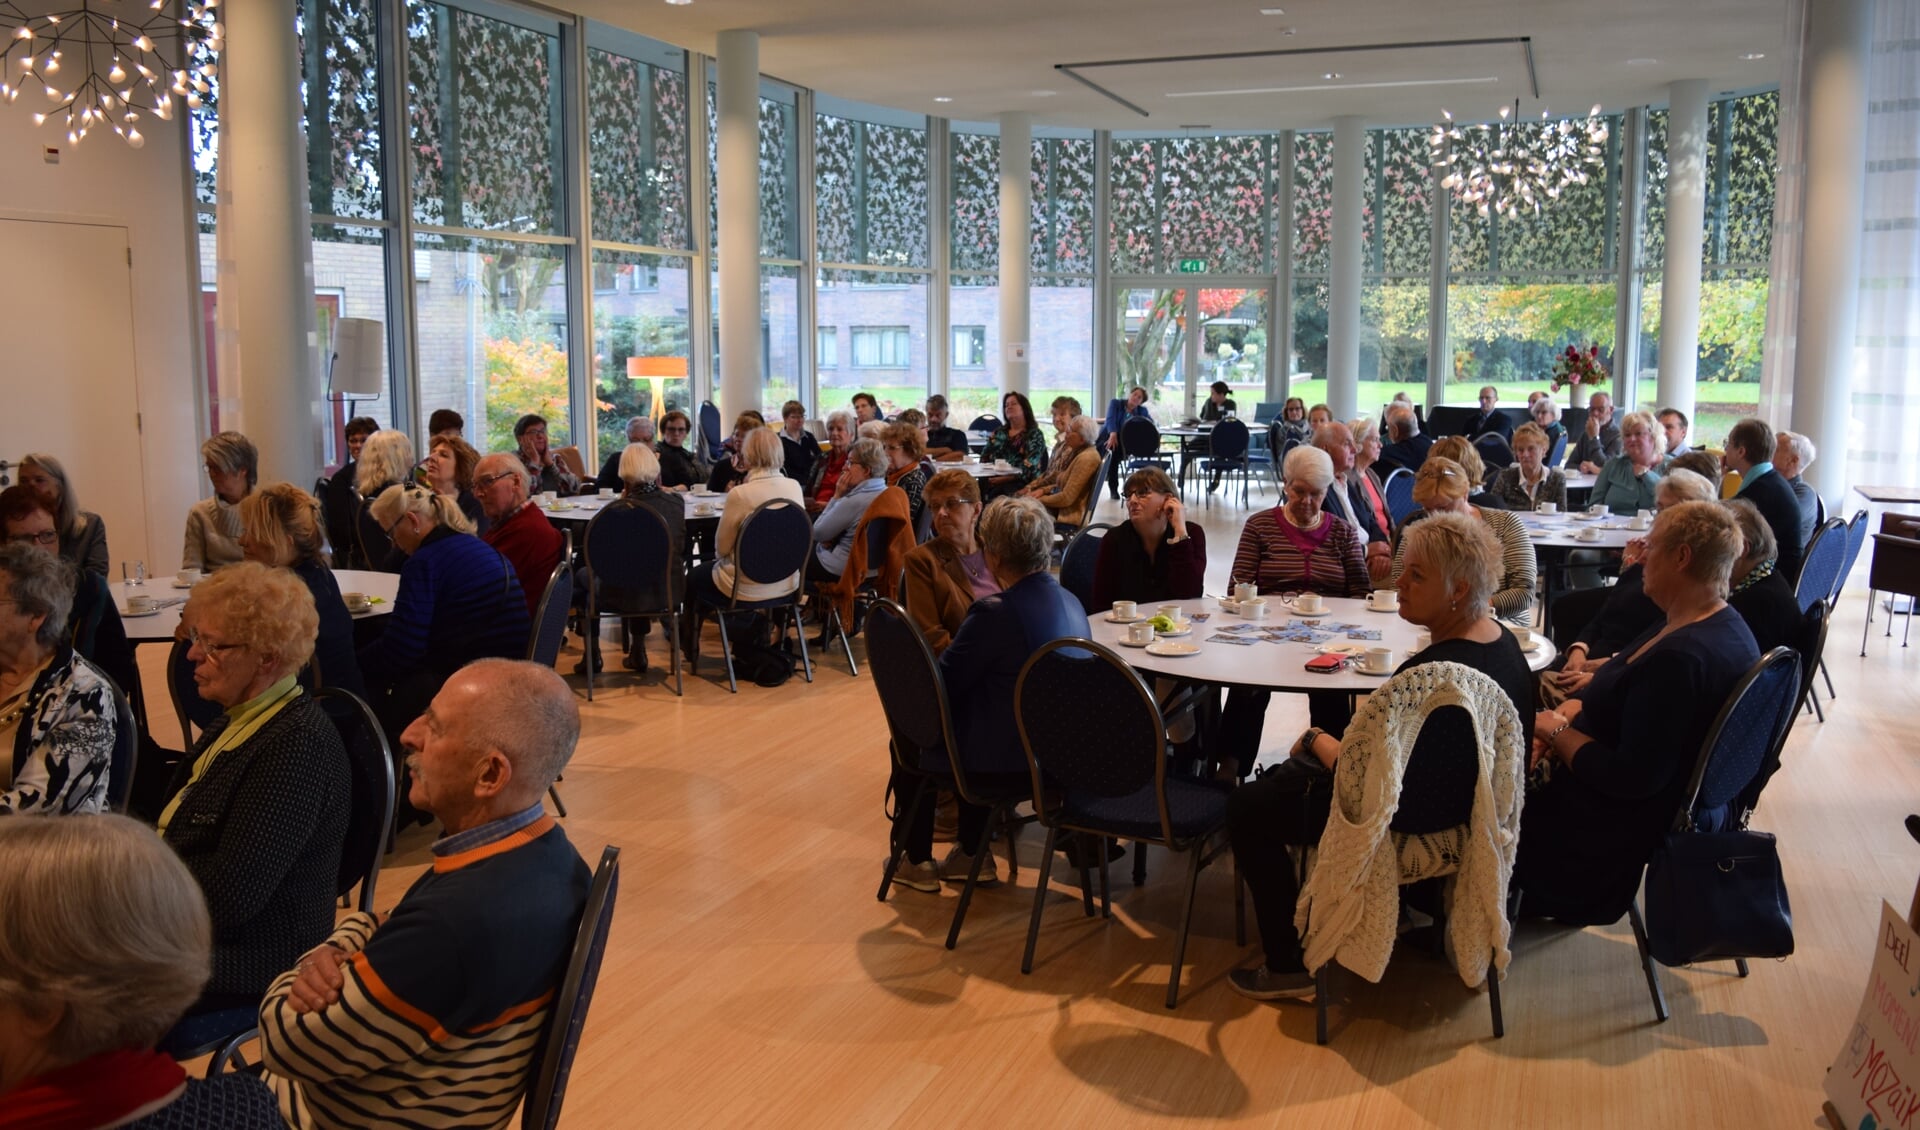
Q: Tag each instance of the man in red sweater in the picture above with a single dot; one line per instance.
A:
(516, 527)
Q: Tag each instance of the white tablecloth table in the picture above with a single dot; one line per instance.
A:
(1276, 666)
(162, 624)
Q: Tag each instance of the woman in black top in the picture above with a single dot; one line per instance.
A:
(386, 460)
(679, 468)
(1619, 756)
(797, 444)
(1758, 592)
(1452, 567)
(728, 468)
(1156, 555)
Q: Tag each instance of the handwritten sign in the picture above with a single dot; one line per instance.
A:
(1875, 1082)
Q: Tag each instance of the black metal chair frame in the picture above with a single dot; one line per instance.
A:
(177, 663)
(1827, 530)
(1229, 461)
(1048, 808)
(1386, 492)
(903, 750)
(1067, 556)
(590, 626)
(573, 997)
(790, 604)
(875, 530)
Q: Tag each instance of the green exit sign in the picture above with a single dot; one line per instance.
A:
(1193, 266)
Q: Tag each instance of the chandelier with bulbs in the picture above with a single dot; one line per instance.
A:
(1507, 167)
(108, 63)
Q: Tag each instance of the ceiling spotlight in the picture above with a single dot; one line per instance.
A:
(1752, 55)
(1043, 93)
(1289, 30)
(1331, 75)
(1273, 11)
(1641, 62)
(679, 3)
(937, 98)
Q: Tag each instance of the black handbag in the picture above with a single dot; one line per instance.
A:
(1717, 895)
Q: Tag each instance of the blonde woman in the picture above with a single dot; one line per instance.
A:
(283, 530)
(1627, 481)
(1444, 487)
(386, 459)
(83, 537)
(1530, 482)
(213, 524)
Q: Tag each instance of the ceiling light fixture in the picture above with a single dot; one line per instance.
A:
(170, 56)
(680, 3)
(1641, 62)
(1753, 55)
(1478, 80)
(1331, 75)
(941, 98)
(1505, 167)
(1273, 11)
(1043, 93)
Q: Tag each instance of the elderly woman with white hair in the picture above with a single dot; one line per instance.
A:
(719, 580)
(1626, 482)
(640, 472)
(83, 537)
(108, 942)
(859, 485)
(258, 807)
(981, 667)
(55, 712)
(1546, 417)
(1621, 753)
(639, 430)
(386, 460)
(213, 524)
(827, 471)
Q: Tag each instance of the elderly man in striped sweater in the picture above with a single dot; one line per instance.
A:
(431, 1014)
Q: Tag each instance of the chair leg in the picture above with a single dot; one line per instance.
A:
(1083, 844)
(1139, 864)
(1824, 674)
(590, 638)
(1106, 888)
(800, 630)
(1186, 922)
(1813, 700)
(1320, 982)
(897, 845)
(1039, 900)
(673, 652)
(1493, 1001)
(980, 854)
(840, 626)
(726, 652)
(553, 791)
(1646, 961)
(1740, 963)
(1239, 907)
(1011, 826)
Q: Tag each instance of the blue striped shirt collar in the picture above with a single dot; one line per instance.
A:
(490, 832)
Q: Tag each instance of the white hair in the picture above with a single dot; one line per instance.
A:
(1310, 465)
(1086, 427)
(1803, 448)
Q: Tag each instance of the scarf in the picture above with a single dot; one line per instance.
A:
(1760, 573)
(99, 1091)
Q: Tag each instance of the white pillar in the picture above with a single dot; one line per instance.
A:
(738, 196)
(1686, 224)
(1838, 42)
(263, 157)
(1343, 310)
(1016, 210)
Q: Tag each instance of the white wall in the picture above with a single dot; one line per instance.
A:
(101, 180)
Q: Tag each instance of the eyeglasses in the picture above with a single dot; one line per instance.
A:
(486, 481)
(947, 504)
(213, 651)
(44, 537)
(670, 429)
(1140, 492)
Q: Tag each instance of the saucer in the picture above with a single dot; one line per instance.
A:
(128, 612)
(1180, 628)
(1173, 650)
(1359, 668)
(1531, 646)
(1112, 619)
(1125, 642)
(1394, 610)
(184, 584)
(1346, 649)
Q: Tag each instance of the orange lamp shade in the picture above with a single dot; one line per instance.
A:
(638, 367)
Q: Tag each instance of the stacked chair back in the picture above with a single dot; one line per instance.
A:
(1077, 563)
(126, 750)
(1822, 569)
(1140, 439)
(1856, 541)
(1495, 452)
(985, 423)
(1559, 452)
(1398, 490)
(710, 427)
(547, 1085)
(370, 816)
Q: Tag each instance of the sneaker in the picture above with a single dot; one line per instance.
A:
(958, 863)
(921, 876)
(1263, 984)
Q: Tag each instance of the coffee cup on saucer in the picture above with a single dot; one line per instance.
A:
(356, 601)
(606, 492)
(1597, 510)
(138, 603)
(1384, 600)
(1140, 632)
(1244, 591)
(703, 510)
(1309, 603)
(186, 578)
(1641, 521)
(1547, 509)
(1522, 635)
(1255, 609)
(1172, 612)
(1590, 533)
(1377, 660)
(1423, 640)
(1125, 610)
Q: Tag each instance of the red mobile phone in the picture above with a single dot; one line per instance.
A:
(1326, 664)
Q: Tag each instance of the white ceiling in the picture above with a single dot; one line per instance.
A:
(993, 56)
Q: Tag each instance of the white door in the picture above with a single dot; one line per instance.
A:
(66, 375)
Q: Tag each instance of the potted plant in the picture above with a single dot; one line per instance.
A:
(1577, 367)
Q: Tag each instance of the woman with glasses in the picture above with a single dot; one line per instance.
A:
(1156, 555)
(213, 524)
(1443, 486)
(386, 460)
(448, 469)
(1065, 490)
(93, 627)
(1530, 482)
(1293, 421)
(826, 473)
(459, 600)
(56, 719)
(947, 573)
(283, 531)
(530, 432)
(905, 447)
(83, 537)
(257, 809)
(680, 468)
(1626, 482)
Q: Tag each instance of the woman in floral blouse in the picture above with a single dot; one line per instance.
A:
(1019, 442)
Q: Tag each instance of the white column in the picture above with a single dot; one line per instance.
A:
(1838, 42)
(1686, 225)
(738, 196)
(266, 219)
(1016, 208)
(1343, 308)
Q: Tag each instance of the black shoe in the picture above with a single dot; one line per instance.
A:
(589, 664)
(636, 661)
(1262, 984)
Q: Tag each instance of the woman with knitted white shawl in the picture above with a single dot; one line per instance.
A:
(1434, 731)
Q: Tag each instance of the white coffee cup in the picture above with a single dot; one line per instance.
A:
(1255, 609)
(1125, 610)
(356, 601)
(1309, 602)
(1547, 508)
(548, 497)
(1172, 612)
(1598, 509)
(1378, 660)
(1383, 600)
(1521, 634)
(703, 510)
(1590, 533)
(1423, 640)
(1140, 632)
(606, 492)
(187, 577)
(141, 604)
(1640, 521)
(1244, 591)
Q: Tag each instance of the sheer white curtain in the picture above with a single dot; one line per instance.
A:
(1886, 374)
(1783, 290)
(225, 345)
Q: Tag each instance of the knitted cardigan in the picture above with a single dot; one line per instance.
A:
(1349, 907)
(889, 503)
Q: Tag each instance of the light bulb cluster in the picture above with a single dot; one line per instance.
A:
(109, 63)
(1504, 168)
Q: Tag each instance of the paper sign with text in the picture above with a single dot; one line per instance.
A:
(1875, 1083)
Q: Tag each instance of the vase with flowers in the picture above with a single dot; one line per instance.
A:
(1576, 368)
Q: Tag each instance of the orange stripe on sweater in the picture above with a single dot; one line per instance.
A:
(391, 1001)
(445, 863)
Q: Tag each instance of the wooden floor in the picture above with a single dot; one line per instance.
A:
(752, 978)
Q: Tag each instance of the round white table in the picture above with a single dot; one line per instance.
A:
(161, 625)
(1270, 666)
(1562, 531)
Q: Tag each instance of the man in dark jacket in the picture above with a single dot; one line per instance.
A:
(1407, 447)
(1489, 419)
(1750, 452)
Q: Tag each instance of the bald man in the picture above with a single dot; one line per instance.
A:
(432, 1014)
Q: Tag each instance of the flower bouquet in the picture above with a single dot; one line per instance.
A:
(1577, 367)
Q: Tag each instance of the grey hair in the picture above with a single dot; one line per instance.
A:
(1686, 486)
(1086, 427)
(42, 585)
(1018, 532)
(1803, 449)
(1552, 410)
(1711, 533)
(105, 926)
(512, 463)
(638, 464)
(1331, 433)
(1309, 464)
(1401, 421)
(762, 450)
(872, 429)
(869, 454)
(386, 457)
(645, 422)
(842, 417)
(407, 498)
(529, 715)
(1759, 543)
(66, 516)
(231, 451)
(1460, 548)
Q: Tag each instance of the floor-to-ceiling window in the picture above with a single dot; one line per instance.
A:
(782, 271)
